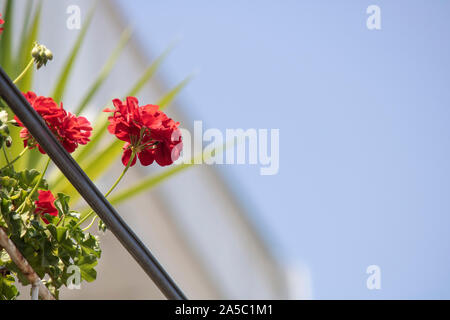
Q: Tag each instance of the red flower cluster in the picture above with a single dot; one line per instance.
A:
(68, 128)
(1, 22)
(45, 204)
(147, 131)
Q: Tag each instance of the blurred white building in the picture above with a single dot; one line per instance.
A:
(192, 223)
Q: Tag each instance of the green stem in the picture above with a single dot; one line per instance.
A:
(29, 65)
(133, 154)
(61, 220)
(36, 186)
(6, 157)
(90, 224)
(40, 178)
(16, 158)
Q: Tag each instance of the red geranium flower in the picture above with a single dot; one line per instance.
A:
(1, 22)
(68, 128)
(147, 130)
(45, 204)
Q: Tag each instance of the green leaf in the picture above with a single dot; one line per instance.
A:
(97, 165)
(62, 204)
(47, 257)
(22, 53)
(106, 70)
(4, 257)
(25, 179)
(29, 38)
(29, 178)
(146, 184)
(48, 248)
(90, 246)
(51, 219)
(58, 233)
(149, 72)
(63, 78)
(8, 290)
(169, 96)
(73, 214)
(152, 181)
(6, 60)
(87, 264)
(101, 226)
(12, 66)
(12, 220)
(31, 157)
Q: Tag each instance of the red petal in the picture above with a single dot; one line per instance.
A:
(126, 157)
(146, 157)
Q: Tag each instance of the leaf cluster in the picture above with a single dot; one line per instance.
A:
(51, 249)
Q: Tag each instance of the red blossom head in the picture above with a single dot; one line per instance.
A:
(70, 130)
(1, 22)
(147, 130)
(45, 204)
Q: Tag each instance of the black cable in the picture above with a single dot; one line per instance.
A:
(69, 167)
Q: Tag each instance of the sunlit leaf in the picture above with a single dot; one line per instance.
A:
(149, 72)
(21, 53)
(29, 159)
(30, 37)
(62, 81)
(98, 165)
(106, 70)
(152, 181)
(6, 60)
(169, 96)
(146, 184)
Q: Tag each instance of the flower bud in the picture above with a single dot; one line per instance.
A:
(8, 141)
(35, 52)
(48, 54)
(41, 55)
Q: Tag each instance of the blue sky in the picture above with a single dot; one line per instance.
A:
(363, 118)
